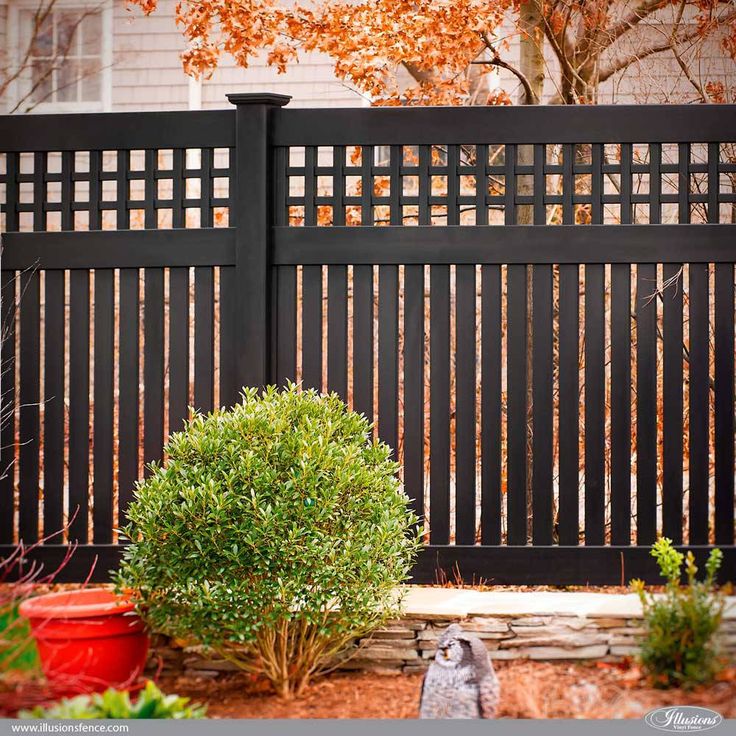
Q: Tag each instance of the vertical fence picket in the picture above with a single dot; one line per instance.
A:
(178, 347)
(153, 349)
(620, 404)
(128, 387)
(79, 314)
(542, 408)
(388, 337)
(7, 399)
(414, 386)
(672, 403)
(8, 363)
(620, 321)
(568, 388)
(204, 301)
(724, 403)
(698, 400)
(30, 319)
(646, 403)
(594, 404)
(104, 326)
(491, 404)
(724, 420)
(539, 283)
(516, 413)
(229, 387)
(153, 365)
(53, 405)
(363, 340)
(178, 309)
(569, 405)
(286, 325)
(312, 327)
(465, 496)
(204, 338)
(337, 330)
(439, 417)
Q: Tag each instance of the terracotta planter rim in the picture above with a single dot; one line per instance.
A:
(71, 604)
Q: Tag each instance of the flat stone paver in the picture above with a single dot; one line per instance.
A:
(457, 603)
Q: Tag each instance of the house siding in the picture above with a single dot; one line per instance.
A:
(147, 73)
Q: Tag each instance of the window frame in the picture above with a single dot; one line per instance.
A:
(17, 46)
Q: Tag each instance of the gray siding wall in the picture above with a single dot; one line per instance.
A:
(147, 72)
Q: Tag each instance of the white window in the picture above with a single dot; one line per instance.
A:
(63, 55)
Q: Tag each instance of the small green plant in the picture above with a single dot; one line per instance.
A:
(679, 648)
(18, 651)
(274, 535)
(151, 703)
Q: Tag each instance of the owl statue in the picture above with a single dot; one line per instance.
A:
(460, 682)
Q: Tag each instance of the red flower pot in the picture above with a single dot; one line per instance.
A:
(88, 640)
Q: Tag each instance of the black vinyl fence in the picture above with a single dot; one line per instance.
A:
(536, 306)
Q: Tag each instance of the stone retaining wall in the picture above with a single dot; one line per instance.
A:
(407, 645)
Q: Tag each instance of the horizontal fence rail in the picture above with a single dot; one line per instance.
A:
(516, 125)
(535, 306)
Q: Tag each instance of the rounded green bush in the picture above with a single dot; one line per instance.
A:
(274, 533)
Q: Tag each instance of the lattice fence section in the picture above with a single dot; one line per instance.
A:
(109, 190)
(486, 184)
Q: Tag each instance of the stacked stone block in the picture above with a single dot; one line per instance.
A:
(407, 645)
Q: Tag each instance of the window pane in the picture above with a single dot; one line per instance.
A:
(91, 34)
(41, 79)
(66, 27)
(91, 80)
(67, 76)
(40, 36)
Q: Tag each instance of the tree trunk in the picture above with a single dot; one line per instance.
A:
(531, 65)
(531, 49)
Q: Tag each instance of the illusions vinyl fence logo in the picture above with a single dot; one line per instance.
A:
(683, 718)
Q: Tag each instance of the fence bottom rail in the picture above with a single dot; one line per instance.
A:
(456, 564)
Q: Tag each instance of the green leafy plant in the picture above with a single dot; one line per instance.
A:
(275, 533)
(679, 648)
(151, 703)
(18, 651)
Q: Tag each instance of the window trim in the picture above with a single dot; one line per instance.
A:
(106, 55)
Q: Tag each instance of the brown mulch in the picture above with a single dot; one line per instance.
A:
(529, 690)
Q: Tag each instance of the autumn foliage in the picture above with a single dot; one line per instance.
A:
(430, 52)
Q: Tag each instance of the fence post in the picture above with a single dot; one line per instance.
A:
(253, 216)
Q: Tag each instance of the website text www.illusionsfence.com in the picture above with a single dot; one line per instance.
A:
(78, 727)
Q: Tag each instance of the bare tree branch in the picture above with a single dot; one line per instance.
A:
(678, 57)
(621, 63)
(633, 18)
(496, 60)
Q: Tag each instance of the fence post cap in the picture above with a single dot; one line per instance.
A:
(258, 98)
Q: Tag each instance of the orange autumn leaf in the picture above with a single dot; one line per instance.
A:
(442, 52)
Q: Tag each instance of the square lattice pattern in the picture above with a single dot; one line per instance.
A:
(115, 190)
(486, 184)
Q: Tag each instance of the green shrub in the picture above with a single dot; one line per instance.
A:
(151, 703)
(678, 647)
(274, 534)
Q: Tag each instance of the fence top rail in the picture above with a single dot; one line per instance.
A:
(505, 124)
(375, 126)
(117, 131)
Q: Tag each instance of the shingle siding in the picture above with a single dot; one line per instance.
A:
(147, 72)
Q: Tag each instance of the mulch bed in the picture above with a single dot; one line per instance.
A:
(529, 690)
